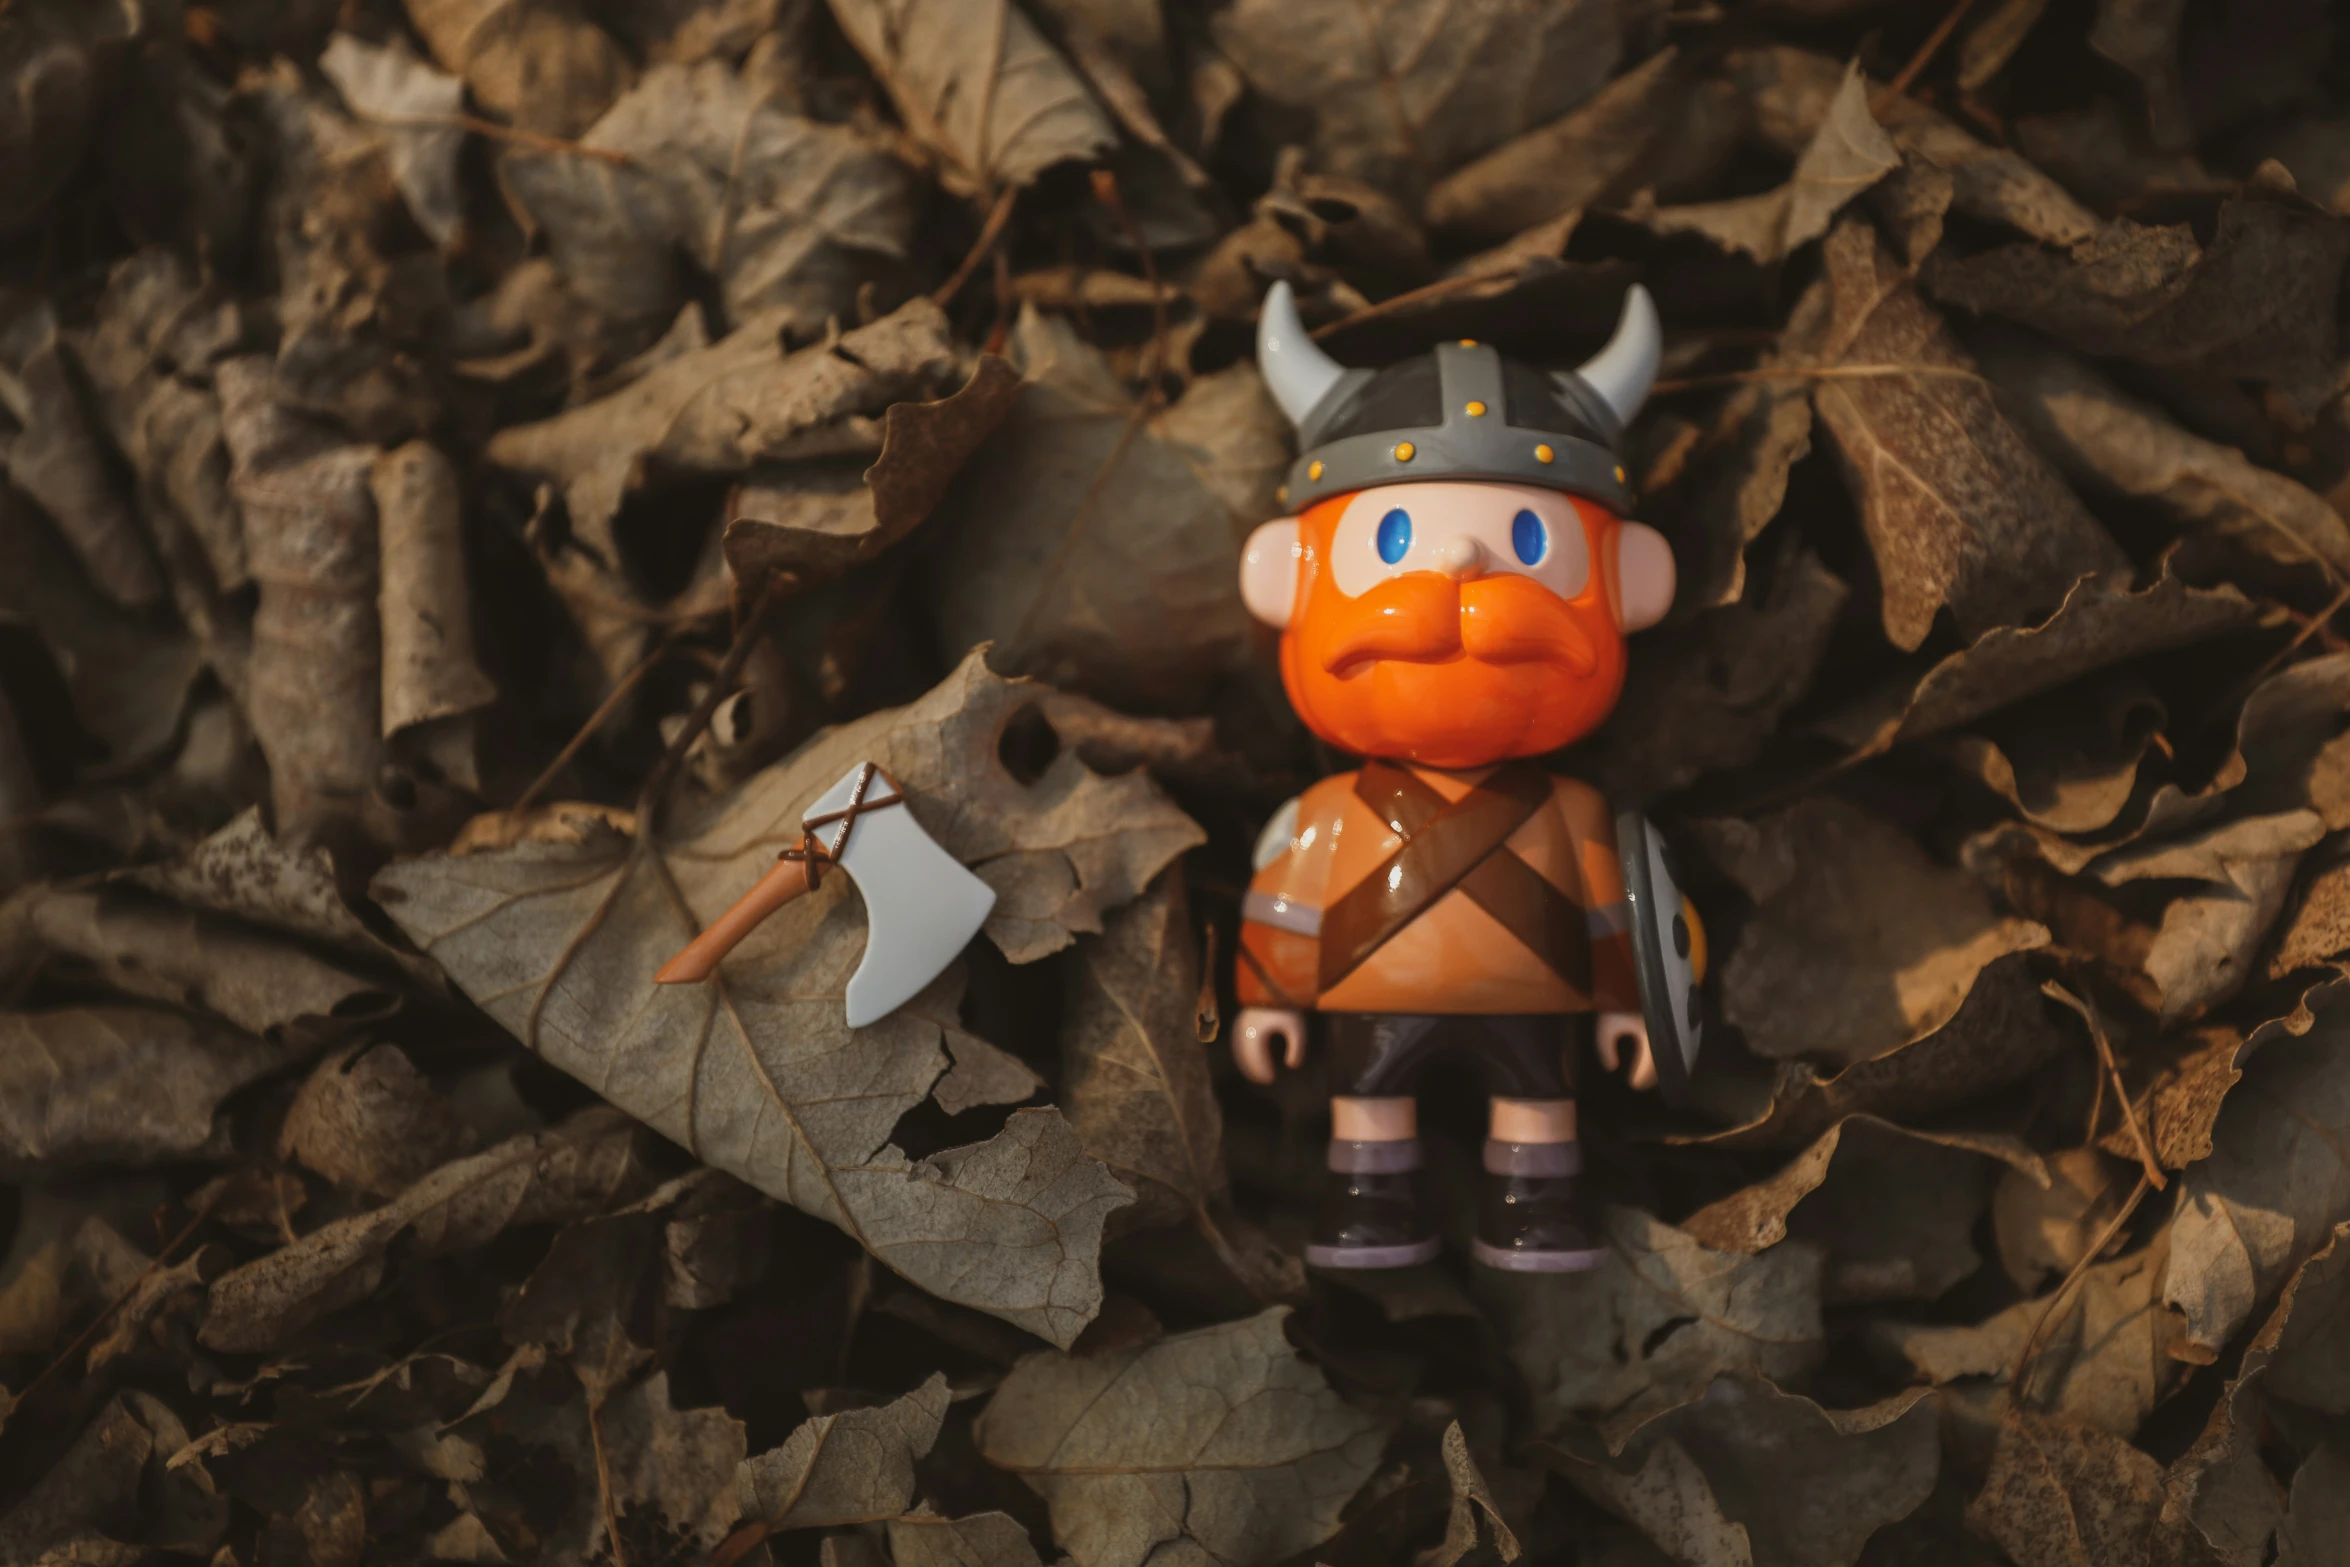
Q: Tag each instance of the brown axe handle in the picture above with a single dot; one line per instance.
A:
(786, 880)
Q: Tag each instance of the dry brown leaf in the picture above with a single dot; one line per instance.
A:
(853, 1467)
(1568, 164)
(1709, 1481)
(2105, 1361)
(117, 1084)
(756, 1073)
(424, 606)
(808, 523)
(1472, 1500)
(719, 409)
(1661, 1319)
(1134, 1075)
(1859, 944)
(977, 84)
(788, 214)
(195, 959)
(923, 1539)
(2257, 302)
(150, 357)
(310, 534)
(2044, 1228)
(2202, 953)
(540, 63)
(53, 455)
(1095, 539)
(2111, 442)
(2316, 1527)
(92, 1486)
(368, 1120)
(418, 110)
(2067, 761)
(1215, 1445)
(1402, 96)
(1728, 485)
(2000, 1034)
(2273, 1187)
(55, 57)
(2064, 1494)
(128, 680)
(580, 1167)
(2142, 37)
(1892, 1210)
(1710, 692)
(1848, 153)
(1960, 512)
(2102, 622)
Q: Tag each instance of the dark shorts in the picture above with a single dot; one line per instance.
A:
(1379, 1055)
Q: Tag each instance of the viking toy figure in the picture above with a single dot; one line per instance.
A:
(1453, 594)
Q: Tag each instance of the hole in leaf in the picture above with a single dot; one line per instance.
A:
(1028, 745)
(1663, 1330)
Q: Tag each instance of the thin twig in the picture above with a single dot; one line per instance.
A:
(2151, 1166)
(989, 231)
(2018, 1378)
(1105, 191)
(1693, 383)
(720, 688)
(496, 132)
(1918, 61)
(1442, 288)
(595, 721)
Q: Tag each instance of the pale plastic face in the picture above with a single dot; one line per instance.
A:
(1462, 530)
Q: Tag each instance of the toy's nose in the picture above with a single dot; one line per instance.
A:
(1460, 557)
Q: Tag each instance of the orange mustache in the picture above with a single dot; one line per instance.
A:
(1426, 617)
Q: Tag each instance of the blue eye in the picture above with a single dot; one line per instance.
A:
(1395, 535)
(1529, 536)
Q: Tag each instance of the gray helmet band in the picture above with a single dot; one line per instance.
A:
(1474, 441)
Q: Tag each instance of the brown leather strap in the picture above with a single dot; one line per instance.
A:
(1460, 844)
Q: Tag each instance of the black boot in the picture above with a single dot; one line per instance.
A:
(1533, 1218)
(1374, 1210)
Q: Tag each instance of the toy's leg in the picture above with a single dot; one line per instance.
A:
(1373, 1212)
(1532, 1218)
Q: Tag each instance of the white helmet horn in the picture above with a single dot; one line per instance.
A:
(1297, 372)
(1623, 371)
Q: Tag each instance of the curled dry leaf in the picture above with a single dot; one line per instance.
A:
(53, 455)
(1568, 164)
(1472, 1501)
(2105, 1361)
(1859, 944)
(1848, 153)
(1709, 1481)
(92, 1487)
(756, 1072)
(717, 410)
(2067, 761)
(1892, 1210)
(1402, 96)
(418, 110)
(2257, 302)
(804, 524)
(2273, 1187)
(577, 1168)
(368, 1120)
(310, 534)
(425, 609)
(1215, 1445)
(1658, 1321)
(1959, 511)
(978, 86)
(116, 1084)
(2110, 441)
(853, 1467)
(2203, 951)
(789, 214)
(54, 57)
(1094, 539)
(2101, 622)
(540, 63)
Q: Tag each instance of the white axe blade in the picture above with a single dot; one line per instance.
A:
(921, 905)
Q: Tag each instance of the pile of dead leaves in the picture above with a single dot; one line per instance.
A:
(476, 469)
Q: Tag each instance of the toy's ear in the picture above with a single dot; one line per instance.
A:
(1644, 575)
(1268, 571)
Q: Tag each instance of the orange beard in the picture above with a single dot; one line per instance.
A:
(1452, 674)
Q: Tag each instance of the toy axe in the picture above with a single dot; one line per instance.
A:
(921, 906)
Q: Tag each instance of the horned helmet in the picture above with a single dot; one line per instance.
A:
(1486, 499)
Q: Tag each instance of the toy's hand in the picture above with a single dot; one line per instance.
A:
(1253, 1036)
(1617, 1030)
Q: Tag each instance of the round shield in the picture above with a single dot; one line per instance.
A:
(1661, 944)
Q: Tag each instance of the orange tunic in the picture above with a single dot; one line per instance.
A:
(1454, 956)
